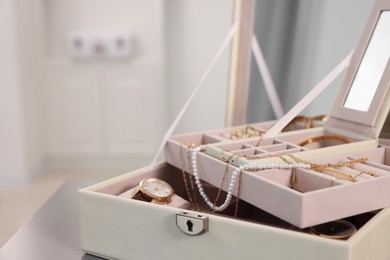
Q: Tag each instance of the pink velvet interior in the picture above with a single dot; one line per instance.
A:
(228, 133)
(268, 188)
(275, 186)
(298, 202)
(301, 136)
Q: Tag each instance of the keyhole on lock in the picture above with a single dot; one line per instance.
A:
(189, 225)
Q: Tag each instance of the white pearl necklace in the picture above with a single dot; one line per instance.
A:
(233, 178)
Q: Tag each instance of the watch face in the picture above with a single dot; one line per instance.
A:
(156, 189)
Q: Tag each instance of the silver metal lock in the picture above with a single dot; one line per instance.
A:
(191, 223)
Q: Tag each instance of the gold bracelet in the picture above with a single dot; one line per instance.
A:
(319, 167)
(323, 138)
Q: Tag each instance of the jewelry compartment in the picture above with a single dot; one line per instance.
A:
(242, 131)
(313, 143)
(177, 143)
(379, 160)
(249, 136)
(250, 150)
(176, 149)
(318, 138)
(257, 129)
(315, 198)
(309, 144)
(124, 188)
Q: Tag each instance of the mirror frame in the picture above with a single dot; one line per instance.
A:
(240, 62)
(375, 111)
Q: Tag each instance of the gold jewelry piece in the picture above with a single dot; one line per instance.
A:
(345, 176)
(327, 168)
(260, 139)
(321, 166)
(227, 161)
(323, 138)
(249, 132)
(238, 195)
(367, 173)
(339, 229)
(293, 178)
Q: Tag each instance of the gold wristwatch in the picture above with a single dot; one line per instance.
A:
(155, 191)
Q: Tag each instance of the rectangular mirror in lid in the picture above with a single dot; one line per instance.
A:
(372, 67)
(363, 102)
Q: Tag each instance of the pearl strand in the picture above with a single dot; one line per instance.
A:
(233, 178)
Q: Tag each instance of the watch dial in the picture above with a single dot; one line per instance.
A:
(157, 188)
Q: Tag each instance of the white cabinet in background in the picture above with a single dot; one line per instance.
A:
(72, 111)
(98, 110)
(132, 106)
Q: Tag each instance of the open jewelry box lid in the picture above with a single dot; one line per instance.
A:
(363, 103)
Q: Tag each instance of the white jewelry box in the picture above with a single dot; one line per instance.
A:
(115, 227)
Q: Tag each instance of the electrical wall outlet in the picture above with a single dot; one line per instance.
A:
(79, 45)
(119, 45)
(103, 45)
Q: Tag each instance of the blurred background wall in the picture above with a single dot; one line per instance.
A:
(89, 112)
(64, 113)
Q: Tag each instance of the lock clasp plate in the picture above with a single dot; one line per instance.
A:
(192, 224)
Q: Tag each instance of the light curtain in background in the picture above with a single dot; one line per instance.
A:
(302, 41)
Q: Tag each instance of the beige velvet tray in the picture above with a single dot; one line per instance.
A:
(315, 197)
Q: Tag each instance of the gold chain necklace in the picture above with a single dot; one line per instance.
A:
(329, 168)
(321, 166)
(227, 161)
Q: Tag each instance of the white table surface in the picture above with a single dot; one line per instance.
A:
(53, 232)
